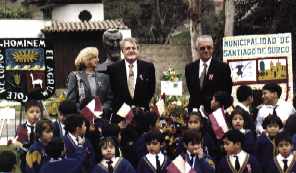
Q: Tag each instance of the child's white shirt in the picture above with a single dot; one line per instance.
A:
(114, 162)
(280, 159)
(152, 158)
(242, 155)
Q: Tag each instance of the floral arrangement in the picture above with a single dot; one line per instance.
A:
(171, 75)
(174, 106)
(176, 109)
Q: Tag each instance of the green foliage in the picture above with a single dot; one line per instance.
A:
(15, 12)
(149, 20)
(171, 75)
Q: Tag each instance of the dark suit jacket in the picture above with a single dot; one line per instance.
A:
(218, 78)
(144, 89)
(103, 89)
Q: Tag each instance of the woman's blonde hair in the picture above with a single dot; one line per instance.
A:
(85, 54)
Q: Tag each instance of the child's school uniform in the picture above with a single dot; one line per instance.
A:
(147, 163)
(23, 136)
(138, 150)
(184, 163)
(277, 165)
(249, 144)
(248, 164)
(119, 164)
(35, 157)
(58, 129)
(65, 165)
(71, 146)
(265, 150)
(23, 133)
(210, 146)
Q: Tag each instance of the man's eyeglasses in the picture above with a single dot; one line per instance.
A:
(130, 48)
(205, 47)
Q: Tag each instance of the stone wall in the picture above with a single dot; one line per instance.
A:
(165, 56)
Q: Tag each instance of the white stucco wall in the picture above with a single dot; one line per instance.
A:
(21, 28)
(71, 12)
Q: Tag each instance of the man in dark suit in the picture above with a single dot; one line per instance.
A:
(206, 76)
(132, 80)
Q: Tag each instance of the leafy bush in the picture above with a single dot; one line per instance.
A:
(15, 12)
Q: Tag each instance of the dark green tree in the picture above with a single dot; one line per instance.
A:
(15, 11)
(149, 20)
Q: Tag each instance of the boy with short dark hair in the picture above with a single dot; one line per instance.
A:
(236, 160)
(25, 133)
(75, 126)
(244, 95)
(194, 159)
(265, 145)
(58, 163)
(271, 94)
(65, 108)
(154, 160)
(7, 161)
(285, 160)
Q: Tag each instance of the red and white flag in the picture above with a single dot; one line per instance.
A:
(125, 111)
(218, 123)
(92, 109)
(179, 165)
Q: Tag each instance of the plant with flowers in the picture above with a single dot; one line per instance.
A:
(171, 75)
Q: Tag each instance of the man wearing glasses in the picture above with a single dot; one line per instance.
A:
(132, 80)
(206, 75)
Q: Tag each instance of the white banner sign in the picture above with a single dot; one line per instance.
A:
(171, 88)
(259, 59)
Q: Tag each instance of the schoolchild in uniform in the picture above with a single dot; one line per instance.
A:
(65, 108)
(25, 133)
(57, 163)
(284, 161)
(108, 160)
(236, 159)
(238, 120)
(193, 160)
(196, 121)
(7, 161)
(265, 145)
(154, 161)
(134, 149)
(36, 155)
(75, 126)
(244, 95)
(220, 102)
